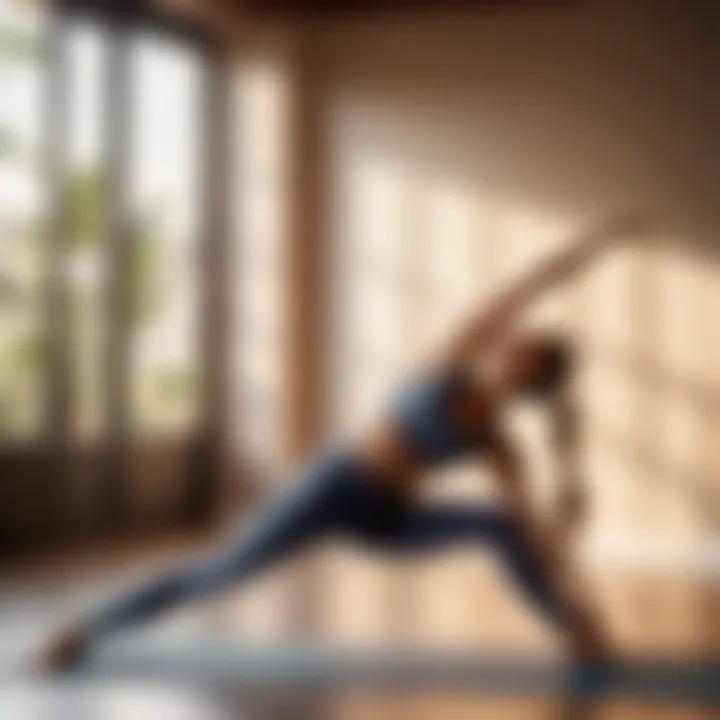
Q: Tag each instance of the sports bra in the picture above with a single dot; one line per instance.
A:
(420, 409)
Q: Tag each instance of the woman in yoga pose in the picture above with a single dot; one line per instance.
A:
(451, 407)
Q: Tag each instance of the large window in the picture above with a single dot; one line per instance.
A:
(165, 79)
(100, 212)
(21, 203)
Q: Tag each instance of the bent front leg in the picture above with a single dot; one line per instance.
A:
(428, 528)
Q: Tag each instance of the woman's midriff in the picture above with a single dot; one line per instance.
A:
(389, 458)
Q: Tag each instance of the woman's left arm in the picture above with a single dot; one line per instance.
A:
(506, 462)
(565, 428)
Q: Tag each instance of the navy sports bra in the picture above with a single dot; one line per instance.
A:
(421, 411)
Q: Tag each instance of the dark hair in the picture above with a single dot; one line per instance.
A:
(553, 359)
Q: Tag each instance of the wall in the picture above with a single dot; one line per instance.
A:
(461, 150)
(484, 140)
(456, 152)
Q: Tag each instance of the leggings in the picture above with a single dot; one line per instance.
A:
(336, 496)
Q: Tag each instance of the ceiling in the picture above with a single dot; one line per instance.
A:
(319, 9)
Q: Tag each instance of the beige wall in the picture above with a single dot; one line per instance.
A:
(554, 111)
(477, 143)
(462, 150)
(457, 152)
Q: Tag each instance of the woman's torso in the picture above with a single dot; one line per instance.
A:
(434, 418)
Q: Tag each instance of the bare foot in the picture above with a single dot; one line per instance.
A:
(592, 650)
(588, 642)
(64, 651)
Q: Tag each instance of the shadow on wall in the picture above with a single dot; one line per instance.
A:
(577, 110)
(461, 151)
(416, 250)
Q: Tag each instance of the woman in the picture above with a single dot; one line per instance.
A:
(451, 408)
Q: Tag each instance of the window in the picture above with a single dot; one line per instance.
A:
(71, 189)
(21, 206)
(164, 213)
(84, 191)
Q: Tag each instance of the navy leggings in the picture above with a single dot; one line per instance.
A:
(336, 496)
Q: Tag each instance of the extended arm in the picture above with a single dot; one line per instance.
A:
(486, 327)
(565, 439)
(511, 476)
(535, 557)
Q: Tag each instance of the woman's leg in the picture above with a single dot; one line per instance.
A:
(285, 525)
(427, 528)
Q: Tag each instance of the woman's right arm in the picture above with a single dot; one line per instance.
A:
(488, 326)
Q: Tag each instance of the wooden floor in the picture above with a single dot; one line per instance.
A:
(179, 703)
(35, 597)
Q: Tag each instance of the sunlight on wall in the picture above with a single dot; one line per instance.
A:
(453, 241)
(416, 250)
(684, 351)
(456, 260)
(260, 149)
(373, 335)
(374, 331)
(648, 384)
(259, 145)
(612, 302)
(414, 241)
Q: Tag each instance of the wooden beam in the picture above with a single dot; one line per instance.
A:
(58, 391)
(57, 383)
(118, 248)
(210, 478)
(305, 286)
(329, 9)
(305, 255)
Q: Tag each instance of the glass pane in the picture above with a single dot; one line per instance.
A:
(20, 212)
(86, 206)
(166, 81)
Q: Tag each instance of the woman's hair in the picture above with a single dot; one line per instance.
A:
(551, 365)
